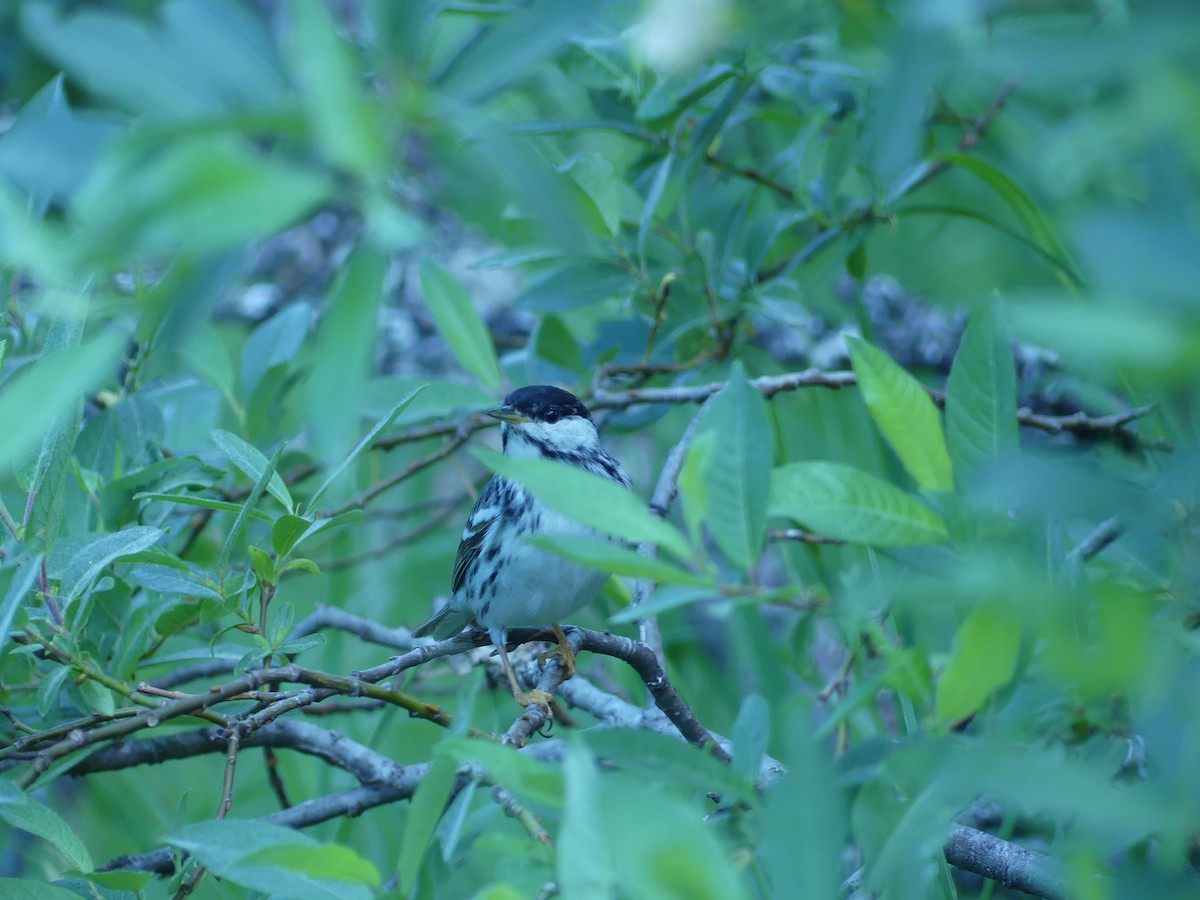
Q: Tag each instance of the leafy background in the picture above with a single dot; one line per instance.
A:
(934, 557)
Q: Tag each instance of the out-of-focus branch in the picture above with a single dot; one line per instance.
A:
(1103, 535)
(1010, 864)
(1081, 424)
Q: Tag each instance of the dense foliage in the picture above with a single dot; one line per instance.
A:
(890, 307)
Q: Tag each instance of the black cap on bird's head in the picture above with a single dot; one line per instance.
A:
(539, 403)
(545, 421)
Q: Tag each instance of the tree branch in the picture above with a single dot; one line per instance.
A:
(1010, 864)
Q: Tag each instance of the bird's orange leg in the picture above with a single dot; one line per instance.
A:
(563, 650)
(540, 698)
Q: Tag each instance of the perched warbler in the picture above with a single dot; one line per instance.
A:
(502, 581)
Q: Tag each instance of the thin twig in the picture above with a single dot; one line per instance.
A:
(801, 536)
(275, 777)
(1103, 535)
(513, 808)
(360, 500)
(407, 537)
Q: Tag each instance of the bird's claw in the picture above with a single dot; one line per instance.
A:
(563, 651)
(535, 698)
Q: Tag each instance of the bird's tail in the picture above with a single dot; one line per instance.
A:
(445, 622)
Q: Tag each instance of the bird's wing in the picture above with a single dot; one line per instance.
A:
(483, 517)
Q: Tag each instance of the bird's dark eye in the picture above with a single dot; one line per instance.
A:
(551, 416)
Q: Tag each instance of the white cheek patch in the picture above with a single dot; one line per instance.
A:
(568, 435)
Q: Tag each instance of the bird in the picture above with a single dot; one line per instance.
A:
(501, 581)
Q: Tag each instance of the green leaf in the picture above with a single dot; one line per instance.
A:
(939, 209)
(168, 580)
(738, 481)
(19, 588)
(424, 813)
(511, 49)
(751, 729)
(843, 502)
(530, 779)
(585, 864)
(656, 757)
(667, 100)
(805, 824)
(331, 861)
(22, 889)
(300, 644)
(981, 393)
(460, 324)
(49, 486)
(693, 482)
(345, 342)
(606, 556)
(666, 597)
(98, 698)
(905, 414)
(365, 444)
(206, 192)
(1026, 211)
(232, 849)
(239, 523)
(86, 565)
(554, 343)
(252, 463)
(22, 811)
(49, 689)
(573, 285)
(589, 499)
(333, 91)
(50, 147)
(163, 67)
(287, 531)
(653, 197)
(276, 341)
(47, 388)
(598, 180)
(306, 565)
(983, 660)
(264, 566)
(710, 130)
(202, 502)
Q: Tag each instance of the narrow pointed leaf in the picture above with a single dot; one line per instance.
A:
(424, 813)
(252, 463)
(46, 389)
(343, 359)
(86, 565)
(202, 502)
(18, 592)
(459, 323)
(739, 470)
(256, 493)
(22, 811)
(984, 660)
(364, 445)
(905, 414)
(843, 502)
(981, 394)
